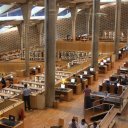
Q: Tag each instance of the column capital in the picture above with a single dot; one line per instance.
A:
(73, 11)
(20, 27)
(26, 11)
(40, 27)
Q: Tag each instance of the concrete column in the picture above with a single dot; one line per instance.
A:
(73, 18)
(26, 10)
(40, 28)
(50, 51)
(117, 27)
(21, 33)
(127, 38)
(88, 21)
(95, 33)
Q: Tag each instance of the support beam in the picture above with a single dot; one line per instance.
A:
(127, 38)
(5, 8)
(50, 51)
(73, 18)
(26, 10)
(95, 33)
(117, 27)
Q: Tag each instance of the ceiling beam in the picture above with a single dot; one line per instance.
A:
(6, 8)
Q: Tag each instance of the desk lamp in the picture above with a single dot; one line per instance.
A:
(68, 65)
(85, 72)
(34, 68)
(38, 66)
(62, 86)
(118, 84)
(123, 49)
(11, 76)
(104, 61)
(39, 69)
(108, 59)
(81, 76)
(72, 80)
(63, 80)
(101, 63)
(119, 52)
(91, 69)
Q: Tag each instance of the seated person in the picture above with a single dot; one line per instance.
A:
(124, 80)
(108, 84)
(11, 84)
(115, 88)
(3, 81)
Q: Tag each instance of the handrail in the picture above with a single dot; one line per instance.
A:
(98, 106)
(104, 119)
(97, 101)
(101, 121)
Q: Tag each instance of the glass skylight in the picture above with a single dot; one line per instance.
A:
(113, 0)
(36, 9)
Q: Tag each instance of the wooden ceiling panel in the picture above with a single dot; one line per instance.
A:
(12, 1)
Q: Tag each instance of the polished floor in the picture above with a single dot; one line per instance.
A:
(48, 117)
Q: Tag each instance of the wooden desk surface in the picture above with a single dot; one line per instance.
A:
(19, 124)
(5, 94)
(13, 90)
(33, 82)
(33, 88)
(84, 65)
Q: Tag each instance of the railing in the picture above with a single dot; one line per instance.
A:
(106, 116)
(100, 122)
(124, 97)
(124, 101)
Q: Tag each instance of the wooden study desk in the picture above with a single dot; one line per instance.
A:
(11, 107)
(6, 123)
(5, 95)
(95, 73)
(109, 66)
(67, 92)
(103, 69)
(123, 70)
(126, 64)
(90, 78)
(84, 83)
(37, 97)
(77, 89)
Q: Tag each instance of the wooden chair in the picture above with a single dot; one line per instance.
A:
(112, 89)
(120, 90)
(61, 122)
(104, 87)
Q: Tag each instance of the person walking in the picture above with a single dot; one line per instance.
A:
(73, 124)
